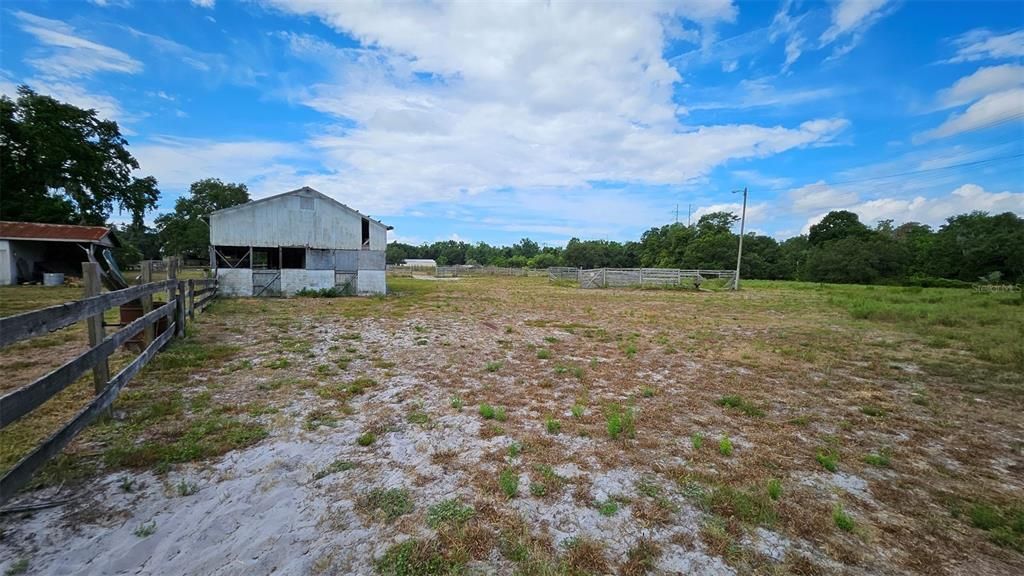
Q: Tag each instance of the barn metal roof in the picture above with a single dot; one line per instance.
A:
(57, 233)
(307, 190)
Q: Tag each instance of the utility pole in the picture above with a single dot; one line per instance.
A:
(677, 213)
(689, 211)
(739, 251)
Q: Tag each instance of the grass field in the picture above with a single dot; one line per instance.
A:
(513, 426)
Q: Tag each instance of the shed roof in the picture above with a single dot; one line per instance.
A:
(57, 233)
(307, 190)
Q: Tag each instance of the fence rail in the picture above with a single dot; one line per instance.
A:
(181, 305)
(468, 271)
(626, 277)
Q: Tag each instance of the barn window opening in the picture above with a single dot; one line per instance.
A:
(265, 259)
(366, 233)
(294, 258)
(305, 203)
(232, 256)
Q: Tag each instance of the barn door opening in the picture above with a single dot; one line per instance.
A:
(266, 282)
(366, 233)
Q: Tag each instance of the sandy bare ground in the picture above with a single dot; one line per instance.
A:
(537, 352)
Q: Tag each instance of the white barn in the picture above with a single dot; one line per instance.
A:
(300, 239)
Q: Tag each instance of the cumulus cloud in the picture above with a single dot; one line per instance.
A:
(444, 101)
(933, 210)
(982, 44)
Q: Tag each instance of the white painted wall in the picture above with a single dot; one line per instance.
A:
(7, 271)
(370, 282)
(294, 280)
(234, 281)
(281, 221)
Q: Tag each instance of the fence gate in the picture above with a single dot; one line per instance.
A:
(592, 278)
(266, 282)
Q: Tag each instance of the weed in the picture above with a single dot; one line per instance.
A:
(774, 488)
(828, 458)
(508, 481)
(738, 403)
(147, 529)
(515, 449)
(550, 339)
(417, 417)
(324, 370)
(552, 426)
(500, 414)
(18, 567)
(537, 489)
(647, 392)
(577, 372)
(544, 354)
(1005, 527)
(360, 385)
(333, 468)
(578, 410)
(561, 369)
(842, 519)
(451, 512)
(352, 336)
(320, 417)
(456, 403)
(487, 411)
(880, 458)
(186, 488)
(641, 558)
(750, 506)
(620, 421)
(874, 411)
(608, 508)
(725, 446)
(629, 350)
(366, 438)
(697, 440)
(494, 366)
(388, 504)
(127, 484)
(279, 363)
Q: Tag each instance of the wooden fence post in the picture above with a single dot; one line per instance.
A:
(147, 302)
(94, 325)
(191, 299)
(174, 296)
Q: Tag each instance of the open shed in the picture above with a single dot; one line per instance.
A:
(301, 239)
(29, 249)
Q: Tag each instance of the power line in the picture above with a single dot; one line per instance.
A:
(928, 170)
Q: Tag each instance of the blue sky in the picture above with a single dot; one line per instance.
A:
(494, 121)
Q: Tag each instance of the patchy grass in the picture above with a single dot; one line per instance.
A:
(333, 468)
(725, 446)
(620, 422)
(387, 504)
(508, 481)
(450, 512)
(842, 519)
(739, 403)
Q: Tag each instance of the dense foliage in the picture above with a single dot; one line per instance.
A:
(838, 249)
(186, 231)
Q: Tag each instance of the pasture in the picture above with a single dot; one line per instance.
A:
(508, 425)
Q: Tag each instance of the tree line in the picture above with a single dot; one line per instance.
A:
(840, 249)
(62, 164)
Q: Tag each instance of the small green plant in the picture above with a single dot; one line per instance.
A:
(494, 366)
(366, 438)
(880, 458)
(696, 440)
(508, 481)
(451, 512)
(544, 354)
(842, 519)
(774, 488)
(725, 446)
(515, 449)
(550, 339)
(127, 484)
(360, 385)
(561, 369)
(577, 372)
(352, 336)
(279, 363)
(647, 392)
(456, 403)
(608, 508)
(487, 411)
(552, 426)
(873, 411)
(320, 417)
(620, 422)
(417, 417)
(388, 503)
(333, 468)
(538, 489)
(828, 458)
(629, 350)
(500, 414)
(738, 403)
(578, 410)
(147, 529)
(186, 488)
(18, 567)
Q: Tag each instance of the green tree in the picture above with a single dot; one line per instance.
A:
(972, 245)
(186, 231)
(64, 164)
(836, 225)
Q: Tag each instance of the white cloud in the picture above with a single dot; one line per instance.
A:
(820, 196)
(981, 44)
(992, 110)
(756, 212)
(204, 3)
(982, 82)
(759, 93)
(933, 211)
(71, 56)
(786, 24)
(851, 19)
(454, 101)
(177, 162)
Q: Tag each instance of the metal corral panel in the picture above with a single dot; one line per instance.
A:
(372, 282)
(346, 260)
(234, 281)
(372, 260)
(300, 218)
(294, 280)
(266, 283)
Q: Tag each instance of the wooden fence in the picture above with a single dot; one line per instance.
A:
(183, 299)
(626, 277)
(459, 271)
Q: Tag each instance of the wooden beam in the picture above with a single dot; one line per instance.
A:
(94, 325)
(27, 398)
(147, 301)
(38, 322)
(22, 472)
